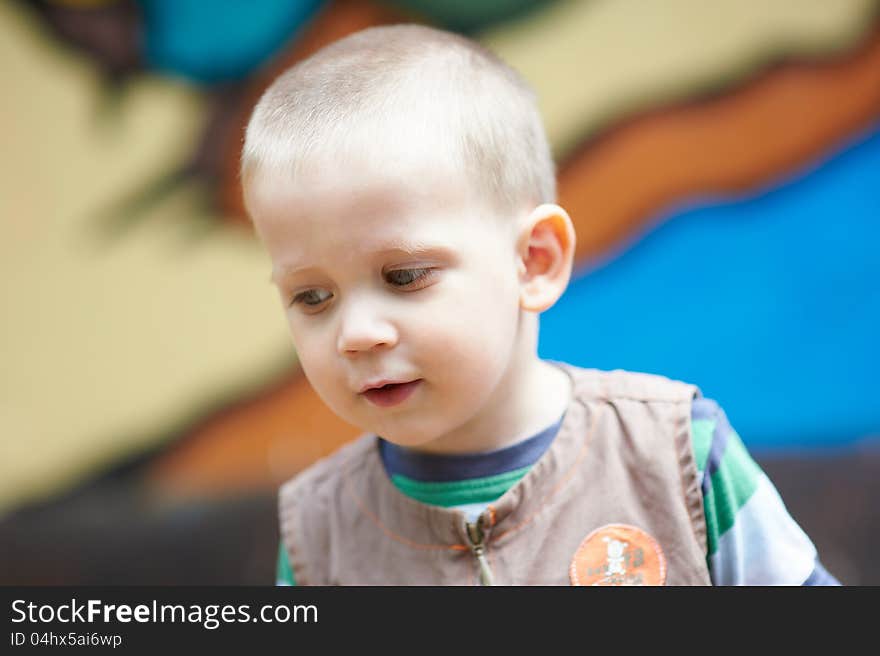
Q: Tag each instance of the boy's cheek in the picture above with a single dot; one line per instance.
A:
(308, 353)
(294, 333)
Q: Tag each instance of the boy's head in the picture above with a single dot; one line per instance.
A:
(403, 186)
(402, 91)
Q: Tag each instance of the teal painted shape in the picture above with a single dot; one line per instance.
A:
(466, 15)
(219, 40)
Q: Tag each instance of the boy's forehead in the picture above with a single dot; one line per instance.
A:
(332, 182)
(357, 187)
(358, 200)
(294, 222)
(300, 224)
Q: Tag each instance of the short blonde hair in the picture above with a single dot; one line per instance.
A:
(408, 75)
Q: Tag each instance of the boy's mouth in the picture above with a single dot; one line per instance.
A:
(391, 394)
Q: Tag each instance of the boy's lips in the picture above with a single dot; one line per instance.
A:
(386, 394)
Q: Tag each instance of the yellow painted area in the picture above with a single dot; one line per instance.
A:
(592, 62)
(106, 349)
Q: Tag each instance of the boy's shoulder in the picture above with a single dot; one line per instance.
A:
(325, 474)
(626, 384)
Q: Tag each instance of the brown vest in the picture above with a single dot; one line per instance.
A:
(622, 456)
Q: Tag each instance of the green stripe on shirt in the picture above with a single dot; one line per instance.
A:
(701, 438)
(283, 571)
(456, 493)
(732, 485)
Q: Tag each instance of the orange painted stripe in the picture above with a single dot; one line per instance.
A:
(255, 445)
(614, 186)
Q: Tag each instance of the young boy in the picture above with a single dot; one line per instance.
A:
(402, 184)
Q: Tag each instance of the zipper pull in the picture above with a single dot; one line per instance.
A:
(477, 538)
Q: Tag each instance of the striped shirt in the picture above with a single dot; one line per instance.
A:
(752, 539)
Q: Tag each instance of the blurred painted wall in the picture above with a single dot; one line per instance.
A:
(721, 162)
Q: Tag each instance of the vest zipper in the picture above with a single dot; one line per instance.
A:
(477, 539)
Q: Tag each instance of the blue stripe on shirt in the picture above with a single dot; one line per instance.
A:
(434, 467)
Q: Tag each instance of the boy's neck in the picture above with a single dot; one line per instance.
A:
(534, 396)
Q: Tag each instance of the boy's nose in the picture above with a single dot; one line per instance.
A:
(360, 333)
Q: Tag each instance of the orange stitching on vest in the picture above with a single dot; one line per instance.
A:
(562, 483)
(388, 532)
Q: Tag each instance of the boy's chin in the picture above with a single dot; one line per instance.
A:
(410, 437)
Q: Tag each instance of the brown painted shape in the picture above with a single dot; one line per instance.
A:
(254, 445)
(615, 185)
(611, 188)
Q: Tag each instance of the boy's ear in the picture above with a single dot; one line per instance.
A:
(545, 253)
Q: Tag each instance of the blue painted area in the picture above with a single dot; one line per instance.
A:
(770, 304)
(221, 39)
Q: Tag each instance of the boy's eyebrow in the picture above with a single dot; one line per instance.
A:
(384, 248)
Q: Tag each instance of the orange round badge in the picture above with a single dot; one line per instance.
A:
(618, 554)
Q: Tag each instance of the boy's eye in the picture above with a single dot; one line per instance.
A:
(408, 277)
(311, 297)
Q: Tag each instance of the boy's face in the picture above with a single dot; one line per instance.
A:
(396, 279)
